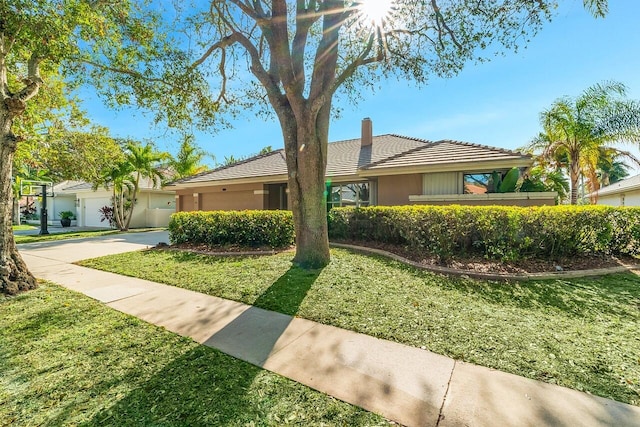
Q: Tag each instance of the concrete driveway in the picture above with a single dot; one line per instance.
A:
(73, 250)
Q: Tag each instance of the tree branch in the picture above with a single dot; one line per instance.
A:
(306, 16)
(278, 37)
(33, 80)
(222, 44)
(362, 59)
(326, 58)
(125, 71)
(442, 26)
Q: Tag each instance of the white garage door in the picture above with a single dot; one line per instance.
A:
(91, 214)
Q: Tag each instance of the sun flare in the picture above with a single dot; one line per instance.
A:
(375, 12)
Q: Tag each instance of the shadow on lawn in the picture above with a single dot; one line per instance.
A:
(615, 295)
(207, 387)
(286, 294)
(252, 336)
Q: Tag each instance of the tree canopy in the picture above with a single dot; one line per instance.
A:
(48, 43)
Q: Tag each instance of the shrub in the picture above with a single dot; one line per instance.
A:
(107, 214)
(66, 215)
(496, 232)
(243, 228)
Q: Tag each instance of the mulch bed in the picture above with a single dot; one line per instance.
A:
(471, 264)
(481, 265)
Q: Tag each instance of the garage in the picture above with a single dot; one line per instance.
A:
(91, 211)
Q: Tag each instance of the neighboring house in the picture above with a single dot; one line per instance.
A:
(153, 208)
(383, 170)
(622, 193)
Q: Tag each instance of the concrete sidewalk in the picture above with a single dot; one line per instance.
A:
(408, 385)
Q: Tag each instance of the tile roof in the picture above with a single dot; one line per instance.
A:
(269, 164)
(628, 184)
(347, 157)
(447, 152)
(61, 187)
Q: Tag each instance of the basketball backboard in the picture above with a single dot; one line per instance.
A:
(34, 188)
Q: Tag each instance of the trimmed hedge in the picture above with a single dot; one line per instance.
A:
(496, 232)
(243, 228)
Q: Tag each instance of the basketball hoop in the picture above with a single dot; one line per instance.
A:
(33, 188)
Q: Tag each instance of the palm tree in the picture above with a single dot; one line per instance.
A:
(610, 169)
(610, 173)
(540, 178)
(598, 8)
(576, 130)
(120, 179)
(144, 161)
(188, 161)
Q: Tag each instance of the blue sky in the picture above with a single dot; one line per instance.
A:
(496, 103)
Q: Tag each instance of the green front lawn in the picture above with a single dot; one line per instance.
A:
(66, 359)
(23, 227)
(579, 333)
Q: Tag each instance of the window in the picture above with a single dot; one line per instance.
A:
(441, 183)
(477, 183)
(355, 194)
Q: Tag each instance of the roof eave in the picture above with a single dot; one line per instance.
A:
(612, 191)
(250, 180)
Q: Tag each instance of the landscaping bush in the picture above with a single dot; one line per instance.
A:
(242, 228)
(495, 232)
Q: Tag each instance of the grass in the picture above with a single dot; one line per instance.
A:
(66, 359)
(23, 227)
(579, 333)
(73, 235)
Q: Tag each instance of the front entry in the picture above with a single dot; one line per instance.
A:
(277, 197)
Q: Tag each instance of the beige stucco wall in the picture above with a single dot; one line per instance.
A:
(396, 189)
(185, 203)
(158, 217)
(152, 209)
(227, 197)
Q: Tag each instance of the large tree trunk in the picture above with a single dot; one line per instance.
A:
(14, 275)
(304, 116)
(305, 145)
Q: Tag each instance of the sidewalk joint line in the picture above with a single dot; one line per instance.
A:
(446, 393)
(119, 299)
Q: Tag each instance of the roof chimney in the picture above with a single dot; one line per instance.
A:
(367, 132)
